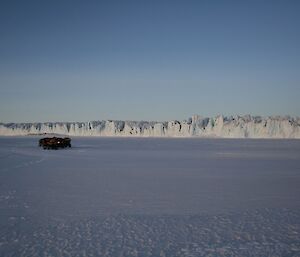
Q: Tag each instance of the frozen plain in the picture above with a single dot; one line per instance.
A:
(150, 197)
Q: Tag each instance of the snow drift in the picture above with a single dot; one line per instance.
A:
(197, 126)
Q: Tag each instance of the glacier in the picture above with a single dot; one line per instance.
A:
(246, 126)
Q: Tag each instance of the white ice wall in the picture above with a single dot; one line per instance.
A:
(197, 126)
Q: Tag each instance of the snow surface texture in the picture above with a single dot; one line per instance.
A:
(197, 126)
(150, 197)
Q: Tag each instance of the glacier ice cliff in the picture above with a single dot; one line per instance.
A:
(225, 127)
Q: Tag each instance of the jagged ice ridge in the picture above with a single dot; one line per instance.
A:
(225, 127)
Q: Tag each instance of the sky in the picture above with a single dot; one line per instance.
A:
(148, 60)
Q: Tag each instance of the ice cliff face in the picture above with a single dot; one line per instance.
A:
(197, 126)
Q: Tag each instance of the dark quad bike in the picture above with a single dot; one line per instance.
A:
(55, 142)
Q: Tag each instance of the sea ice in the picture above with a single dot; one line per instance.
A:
(150, 197)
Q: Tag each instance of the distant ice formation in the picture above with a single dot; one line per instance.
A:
(197, 126)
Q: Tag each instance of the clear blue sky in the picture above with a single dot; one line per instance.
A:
(148, 60)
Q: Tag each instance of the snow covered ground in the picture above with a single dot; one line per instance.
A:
(150, 197)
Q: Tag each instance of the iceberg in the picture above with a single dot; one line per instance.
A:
(197, 126)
